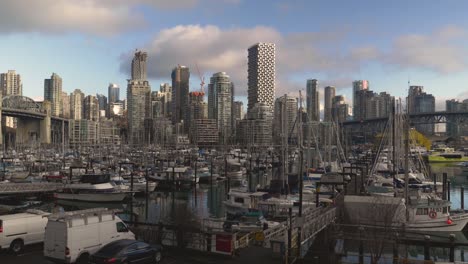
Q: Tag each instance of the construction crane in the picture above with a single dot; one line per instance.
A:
(202, 80)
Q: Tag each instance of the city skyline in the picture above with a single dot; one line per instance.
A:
(385, 53)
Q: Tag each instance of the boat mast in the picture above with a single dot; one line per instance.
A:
(406, 129)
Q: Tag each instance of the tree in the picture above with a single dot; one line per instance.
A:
(377, 219)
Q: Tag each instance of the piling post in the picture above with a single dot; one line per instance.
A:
(448, 190)
(427, 241)
(444, 186)
(462, 197)
(395, 250)
(147, 194)
(288, 251)
(452, 248)
(131, 197)
(435, 181)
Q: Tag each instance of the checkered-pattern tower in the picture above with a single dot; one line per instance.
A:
(261, 75)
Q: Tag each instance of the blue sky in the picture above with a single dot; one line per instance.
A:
(89, 43)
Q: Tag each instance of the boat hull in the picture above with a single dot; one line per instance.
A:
(91, 197)
(457, 223)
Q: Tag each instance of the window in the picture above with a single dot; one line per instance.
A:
(239, 200)
(132, 247)
(142, 245)
(121, 228)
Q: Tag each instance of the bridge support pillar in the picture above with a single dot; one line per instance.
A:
(46, 124)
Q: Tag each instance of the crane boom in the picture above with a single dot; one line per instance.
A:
(202, 80)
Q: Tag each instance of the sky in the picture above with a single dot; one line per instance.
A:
(90, 43)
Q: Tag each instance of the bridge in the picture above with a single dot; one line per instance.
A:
(33, 122)
(370, 127)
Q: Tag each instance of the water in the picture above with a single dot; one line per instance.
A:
(204, 201)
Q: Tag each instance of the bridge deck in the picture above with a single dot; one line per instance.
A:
(19, 188)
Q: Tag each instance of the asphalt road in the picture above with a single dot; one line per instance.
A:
(33, 255)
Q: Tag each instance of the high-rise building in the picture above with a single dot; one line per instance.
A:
(66, 105)
(53, 93)
(138, 99)
(102, 100)
(361, 98)
(165, 94)
(413, 92)
(76, 104)
(91, 108)
(328, 105)
(180, 95)
(220, 104)
(256, 129)
(420, 102)
(313, 102)
(261, 75)
(238, 110)
(379, 105)
(284, 120)
(10, 83)
(454, 128)
(113, 93)
(139, 65)
(358, 85)
(198, 110)
(340, 109)
(204, 132)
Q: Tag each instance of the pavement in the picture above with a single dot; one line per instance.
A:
(254, 255)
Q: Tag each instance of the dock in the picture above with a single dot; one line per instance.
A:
(28, 188)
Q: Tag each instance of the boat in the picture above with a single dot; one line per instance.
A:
(445, 155)
(424, 212)
(93, 188)
(249, 222)
(241, 202)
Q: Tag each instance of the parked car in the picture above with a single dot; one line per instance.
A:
(127, 251)
(18, 230)
(74, 236)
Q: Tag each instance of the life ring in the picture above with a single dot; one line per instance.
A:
(432, 214)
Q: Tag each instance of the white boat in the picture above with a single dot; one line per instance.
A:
(425, 212)
(240, 202)
(102, 192)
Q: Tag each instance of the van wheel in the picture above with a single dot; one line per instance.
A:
(83, 259)
(17, 246)
(157, 257)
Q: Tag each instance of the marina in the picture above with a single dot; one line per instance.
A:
(180, 211)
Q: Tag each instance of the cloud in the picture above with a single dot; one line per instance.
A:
(96, 17)
(441, 51)
(215, 49)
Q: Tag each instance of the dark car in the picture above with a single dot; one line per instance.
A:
(127, 251)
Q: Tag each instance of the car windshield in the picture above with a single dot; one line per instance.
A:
(112, 248)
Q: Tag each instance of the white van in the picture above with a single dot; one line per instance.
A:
(18, 230)
(74, 236)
